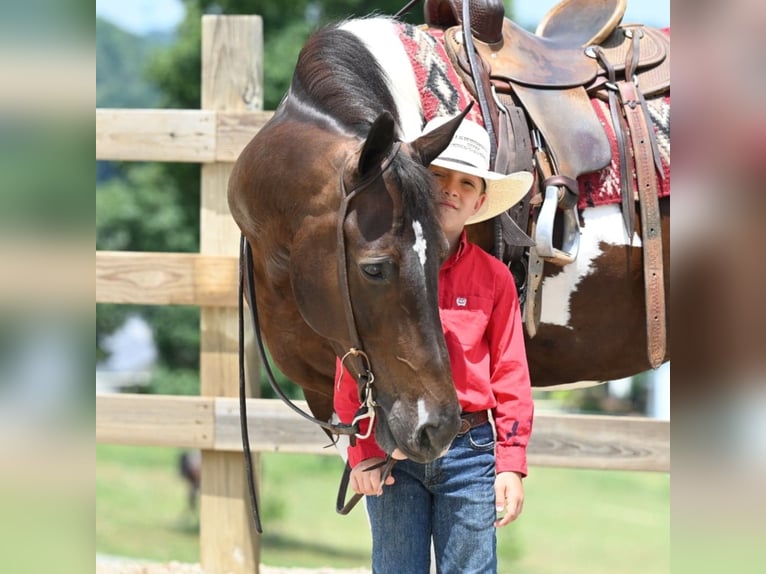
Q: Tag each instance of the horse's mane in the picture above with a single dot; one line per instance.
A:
(339, 76)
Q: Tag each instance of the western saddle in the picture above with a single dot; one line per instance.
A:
(534, 91)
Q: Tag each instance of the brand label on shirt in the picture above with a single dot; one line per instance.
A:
(461, 301)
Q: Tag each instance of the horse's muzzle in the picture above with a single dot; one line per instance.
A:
(422, 438)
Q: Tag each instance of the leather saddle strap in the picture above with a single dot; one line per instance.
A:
(626, 182)
(513, 136)
(651, 231)
(514, 153)
(533, 291)
(652, 135)
(478, 74)
(632, 60)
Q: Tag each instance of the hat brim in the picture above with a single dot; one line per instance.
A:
(503, 191)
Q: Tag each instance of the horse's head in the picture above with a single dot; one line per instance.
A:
(383, 281)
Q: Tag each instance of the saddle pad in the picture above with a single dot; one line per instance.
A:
(603, 187)
(441, 91)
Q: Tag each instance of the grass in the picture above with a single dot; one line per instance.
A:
(574, 521)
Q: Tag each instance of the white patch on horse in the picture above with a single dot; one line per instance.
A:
(380, 36)
(602, 224)
(420, 244)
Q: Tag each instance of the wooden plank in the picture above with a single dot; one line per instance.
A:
(232, 81)
(565, 441)
(175, 135)
(155, 420)
(235, 130)
(155, 135)
(600, 442)
(166, 278)
(573, 441)
(272, 427)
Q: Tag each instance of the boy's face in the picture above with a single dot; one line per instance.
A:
(458, 197)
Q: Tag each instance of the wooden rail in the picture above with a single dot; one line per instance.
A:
(212, 423)
(197, 136)
(166, 279)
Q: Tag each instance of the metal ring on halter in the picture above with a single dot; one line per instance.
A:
(367, 400)
(369, 404)
(354, 352)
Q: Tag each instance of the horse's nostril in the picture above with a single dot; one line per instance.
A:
(434, 438)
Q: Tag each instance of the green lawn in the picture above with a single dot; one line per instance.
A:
(574, 520)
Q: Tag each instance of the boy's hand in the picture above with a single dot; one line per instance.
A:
(509, 496)
(367, 482)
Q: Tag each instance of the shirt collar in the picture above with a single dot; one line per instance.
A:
(461, 249)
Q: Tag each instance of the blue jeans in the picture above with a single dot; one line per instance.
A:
(451, 499)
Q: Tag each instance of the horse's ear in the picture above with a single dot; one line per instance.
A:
(430, 145)
(378, 143)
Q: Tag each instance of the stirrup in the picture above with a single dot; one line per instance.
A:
(544, 231)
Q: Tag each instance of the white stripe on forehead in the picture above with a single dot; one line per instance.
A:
(419, 246)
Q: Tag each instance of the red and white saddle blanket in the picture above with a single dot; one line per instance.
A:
(443, 93)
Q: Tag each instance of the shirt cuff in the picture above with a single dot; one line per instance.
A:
(511, 459)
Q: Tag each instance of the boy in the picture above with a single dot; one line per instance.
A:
(454, 501)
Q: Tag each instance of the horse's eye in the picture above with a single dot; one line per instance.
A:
(376, 270)
(373, 270)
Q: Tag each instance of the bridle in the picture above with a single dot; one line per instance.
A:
(365, 377)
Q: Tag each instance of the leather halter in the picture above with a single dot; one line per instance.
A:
(365, 375)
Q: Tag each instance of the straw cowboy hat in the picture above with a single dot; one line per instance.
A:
(468, 152)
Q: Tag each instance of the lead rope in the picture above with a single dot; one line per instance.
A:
(254, 510)
(246, 270)
(342, 507)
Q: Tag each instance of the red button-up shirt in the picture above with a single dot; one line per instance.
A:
(479, 310)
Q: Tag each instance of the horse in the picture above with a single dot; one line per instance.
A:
(333, 198)
(346, 244)
(190, 470)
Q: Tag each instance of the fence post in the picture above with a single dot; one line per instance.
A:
(232, 80)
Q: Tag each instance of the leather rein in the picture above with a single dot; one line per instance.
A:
(364, 377)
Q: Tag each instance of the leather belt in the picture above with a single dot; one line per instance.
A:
(472, 420)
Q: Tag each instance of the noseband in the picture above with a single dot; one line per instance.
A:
(365, 376)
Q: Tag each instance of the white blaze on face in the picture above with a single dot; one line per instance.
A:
(602, 224)
(422, 413)
(419, 246)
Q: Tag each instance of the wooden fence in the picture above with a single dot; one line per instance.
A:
(213, 136)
